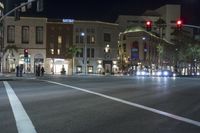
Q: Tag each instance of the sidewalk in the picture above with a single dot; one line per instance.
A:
(12, 76)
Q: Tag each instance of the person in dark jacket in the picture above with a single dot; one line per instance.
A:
(42, 71)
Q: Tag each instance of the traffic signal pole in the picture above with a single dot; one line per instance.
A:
(16, 8)
(191, 26)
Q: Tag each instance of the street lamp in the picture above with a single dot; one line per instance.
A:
(85, 53)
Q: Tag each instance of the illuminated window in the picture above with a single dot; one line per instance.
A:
(79, 69)
(107, 48)
(59, 39)
(90, 69)
(92, 39)
(58, 51)
(52, 51)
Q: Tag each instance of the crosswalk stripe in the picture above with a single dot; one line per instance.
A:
(23, 122)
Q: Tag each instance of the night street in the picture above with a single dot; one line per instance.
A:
(100, 104)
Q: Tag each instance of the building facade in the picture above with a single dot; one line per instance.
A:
(48, 41)
(169, 13)
(98, 42)
(1, 34)
(138, 51)
(27, 33)
(59, 37)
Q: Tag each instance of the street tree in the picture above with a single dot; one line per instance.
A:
(161, 25)
(72, 52)
(11, 49)
(187, 49)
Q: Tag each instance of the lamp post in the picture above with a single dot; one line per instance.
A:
(85, 52)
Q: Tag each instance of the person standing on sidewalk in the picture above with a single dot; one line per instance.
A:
(38, 70)
(20, 70)
(42, 71)
(17, 71)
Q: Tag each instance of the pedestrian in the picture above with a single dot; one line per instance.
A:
(17, 71)
(42, 71)
(20, 70)
(38, 70)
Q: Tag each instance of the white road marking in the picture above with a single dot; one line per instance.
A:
(176, 117)
(23, 122)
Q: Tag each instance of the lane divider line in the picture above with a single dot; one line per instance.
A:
(23, 122)
(176, 117)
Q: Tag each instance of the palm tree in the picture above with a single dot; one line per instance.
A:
(161, 25)
(72, 51)
(193, 55)
(188, 50)
(11, 49)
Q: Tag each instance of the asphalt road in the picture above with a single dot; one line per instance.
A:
(100, 105)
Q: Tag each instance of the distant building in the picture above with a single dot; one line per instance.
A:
(169, 13)
(138, 50)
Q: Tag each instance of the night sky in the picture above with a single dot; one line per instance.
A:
(108, 10)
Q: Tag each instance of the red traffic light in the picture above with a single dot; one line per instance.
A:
(179, 24)
(148, 23)
(25, 52)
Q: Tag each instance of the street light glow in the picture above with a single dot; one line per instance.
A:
(82, 34)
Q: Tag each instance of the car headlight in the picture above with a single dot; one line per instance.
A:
(159, 73)
(143, 73)
(165, 73)
(138, 73)
(174, 74)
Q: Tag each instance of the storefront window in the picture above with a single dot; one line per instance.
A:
(90, 69)
(79, 69)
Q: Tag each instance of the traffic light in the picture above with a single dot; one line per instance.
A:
(39, 5)
(179, 24)
(148, 25)
(26, 53)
